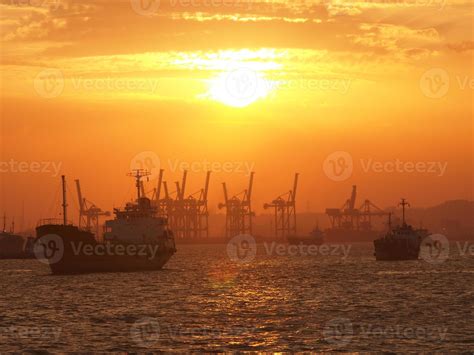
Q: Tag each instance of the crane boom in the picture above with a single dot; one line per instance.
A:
(158, 188)
(249, 191)
(206, 186)
(295, 186)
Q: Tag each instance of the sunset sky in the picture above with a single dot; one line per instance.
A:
(278, 87)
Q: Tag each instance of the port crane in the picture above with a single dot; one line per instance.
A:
(284, 207)
(239, 212)
(349, 217)
(89, 213)
(188, 216)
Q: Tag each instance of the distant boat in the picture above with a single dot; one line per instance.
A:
(136, 228)
(14, 246)
(316, 237)
(400, 243)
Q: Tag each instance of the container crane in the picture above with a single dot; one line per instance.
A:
(285, 212)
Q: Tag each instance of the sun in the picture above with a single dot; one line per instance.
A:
(239, 87)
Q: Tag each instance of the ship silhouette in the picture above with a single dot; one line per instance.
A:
(136, 239)
(401, 242)
(13, 246)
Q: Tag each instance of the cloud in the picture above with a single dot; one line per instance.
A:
(462, 47)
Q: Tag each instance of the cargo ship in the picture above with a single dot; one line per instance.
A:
(400, 243)
(14, 246)
(137, 239)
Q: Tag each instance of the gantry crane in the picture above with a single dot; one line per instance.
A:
(239, 212)
(285, 212)
(348, 217)
(89, 213)
(188, 216)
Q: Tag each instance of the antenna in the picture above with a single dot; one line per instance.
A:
(138, 174)
(63, 178)
(404, 204)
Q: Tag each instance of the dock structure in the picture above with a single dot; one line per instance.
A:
(89, 213)
(238, 209)
(284, 207)
(188, 215)
(351, 218)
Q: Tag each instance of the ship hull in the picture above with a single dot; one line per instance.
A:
(13, 247)
(73, 260)
(396, 250)
(94, 264)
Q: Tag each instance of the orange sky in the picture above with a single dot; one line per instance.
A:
(92, 87)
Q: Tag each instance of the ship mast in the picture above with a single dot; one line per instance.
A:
(404, 204)
(64, 200)
(4, 222)
(138, 174)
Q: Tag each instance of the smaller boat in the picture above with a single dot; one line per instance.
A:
(316, 237)
(14, 246)
(400, 243)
